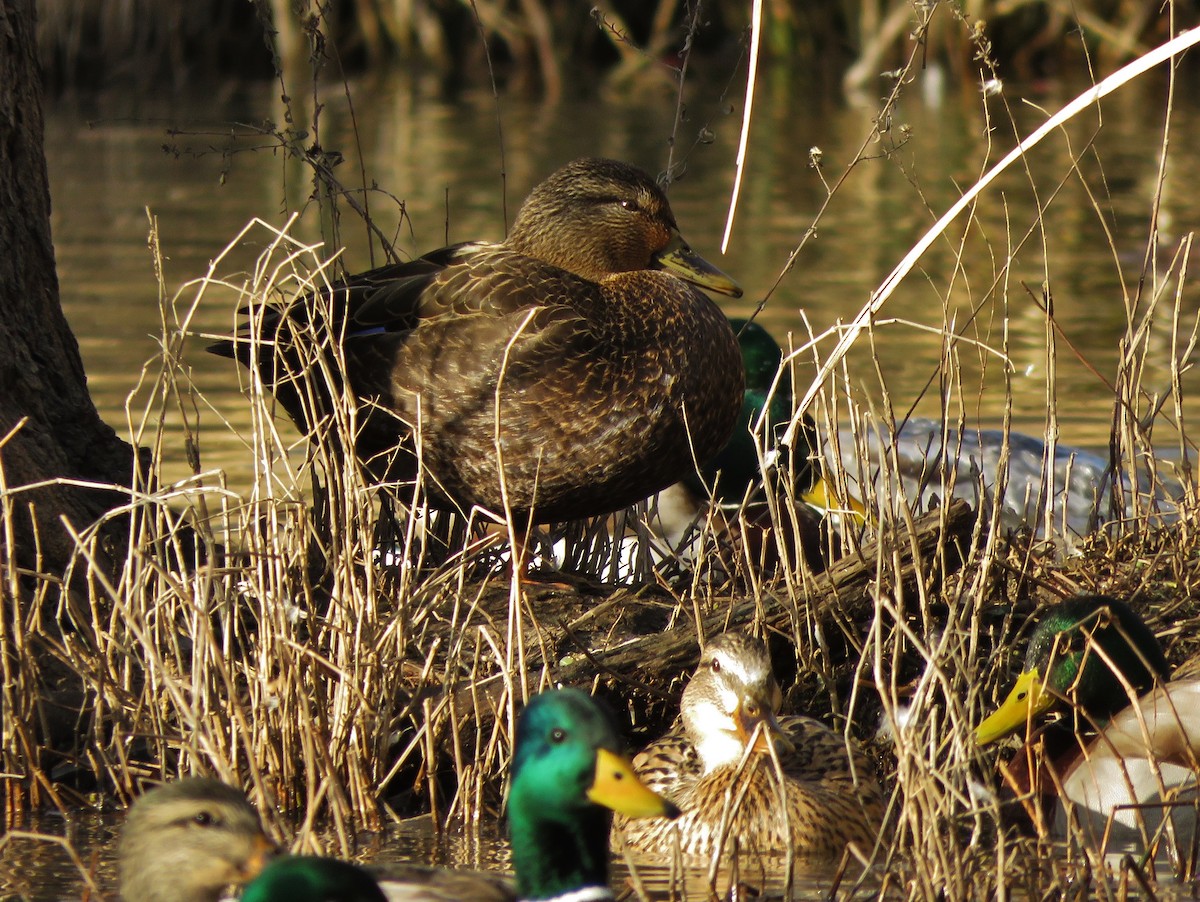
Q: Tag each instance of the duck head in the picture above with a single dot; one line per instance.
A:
(311, 878)
(1086, 655)
(597, 218)
(568, 777)
(188, 840)
(731, 701)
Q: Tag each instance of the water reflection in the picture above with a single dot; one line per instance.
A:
(52, 858)
(45, 871)
(41, 870)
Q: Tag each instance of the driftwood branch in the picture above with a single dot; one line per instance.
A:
(844, 591)
(935, 547)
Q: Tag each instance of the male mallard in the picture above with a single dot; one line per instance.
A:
(825, 800)
(933, 461)
(568, 371)
(737, 467)
(312, 878)
(568, 777)
(735, 474)
(188, 840)
(1087, 658)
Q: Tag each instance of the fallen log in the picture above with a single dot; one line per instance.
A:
(893, 561)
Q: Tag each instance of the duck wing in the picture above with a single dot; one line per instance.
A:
(1127, 800)
(1139, 772)
(670, 763)
(1164, 725)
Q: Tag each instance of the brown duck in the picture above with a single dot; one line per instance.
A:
(575, 359)
(186, 841)
(821, 799)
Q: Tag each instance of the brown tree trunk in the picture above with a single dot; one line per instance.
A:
(49, 428)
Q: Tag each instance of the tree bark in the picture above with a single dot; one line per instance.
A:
(50, 431)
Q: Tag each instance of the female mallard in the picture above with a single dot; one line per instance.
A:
(824, 801)
(568, 371)
(568, 777)
(1133, 739)
(188, 840)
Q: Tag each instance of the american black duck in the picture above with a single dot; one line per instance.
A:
(575, 363)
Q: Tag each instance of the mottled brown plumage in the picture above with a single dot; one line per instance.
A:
(603, 376)
(825, 800)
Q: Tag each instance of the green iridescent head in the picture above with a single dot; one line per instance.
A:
(308, 878)
(1087, 653)
(568, 776)
(738, 462)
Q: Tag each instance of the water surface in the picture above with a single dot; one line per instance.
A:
(435, 165)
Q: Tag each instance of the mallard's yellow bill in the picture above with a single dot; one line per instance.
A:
(616, 786)
(823, 497)
(684, 262)
(1027, 700)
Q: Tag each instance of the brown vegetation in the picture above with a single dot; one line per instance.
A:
(281, 638)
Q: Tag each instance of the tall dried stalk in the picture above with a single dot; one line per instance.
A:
(269, 635)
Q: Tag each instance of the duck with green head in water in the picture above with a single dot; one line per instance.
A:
(1125, 746)
(568, 777)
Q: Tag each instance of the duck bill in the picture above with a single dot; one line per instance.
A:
(264, 850)
(684, 262)
(1026, 701)
(769, 734)
(616, 786)
(823, 497)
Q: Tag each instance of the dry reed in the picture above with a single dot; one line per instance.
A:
(308, 637)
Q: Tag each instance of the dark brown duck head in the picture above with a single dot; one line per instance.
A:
(596, 218)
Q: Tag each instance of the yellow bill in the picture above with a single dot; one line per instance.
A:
(684, 262)
(616, 786)
(1027, 700)
(823, 497)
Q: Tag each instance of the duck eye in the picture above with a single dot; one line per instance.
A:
(630, 205)
(557, 735)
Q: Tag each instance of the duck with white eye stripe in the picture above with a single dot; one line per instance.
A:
(720, 755)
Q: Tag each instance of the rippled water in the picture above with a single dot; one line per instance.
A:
(41, 869)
